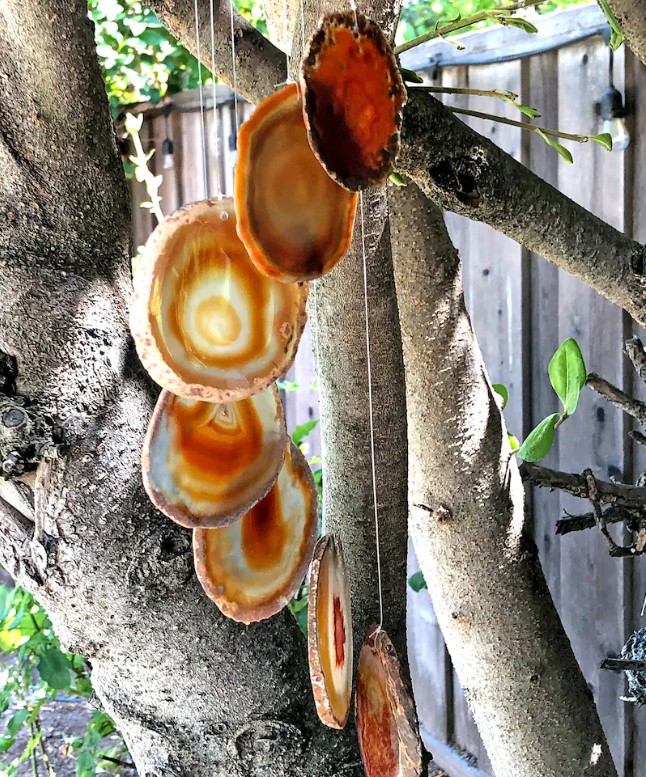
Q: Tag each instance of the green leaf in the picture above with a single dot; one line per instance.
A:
(417, 581)
(6, 742)
(302, 430)
(617, 35)
(556, 146)
(539, 441)
(17, 720)
(411, 76)
(528, 111)
(85, 764)
(501, 390)
(397, 179)
(603, 139)
(54, 669)
(513, 441)
(521, 24)
(567, 374)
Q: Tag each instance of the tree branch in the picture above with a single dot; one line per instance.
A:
(631, 15)
(634, 349)
(493, 605)
(615, 513)
(632, 407)
(543, 477)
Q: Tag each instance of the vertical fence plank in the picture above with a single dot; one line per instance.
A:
(541, 92)
(636, 157)
(592, 584)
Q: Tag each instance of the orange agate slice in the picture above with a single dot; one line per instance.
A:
(295, 221)
(385, 713)
(206, 323)
(353, 100)
(208, 464)
(253, 567)
(329, 632)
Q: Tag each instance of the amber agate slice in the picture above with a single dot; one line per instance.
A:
(206, 323)
(385, 713)
(253, 567)
(208, 464)
(295, 221)
(353, 96)
(329, 630)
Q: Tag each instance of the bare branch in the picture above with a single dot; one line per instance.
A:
(631, 15)
(464, 172)
(634, 349)
(455, 166)
(543, 477)
(632, 407)
(615, 513)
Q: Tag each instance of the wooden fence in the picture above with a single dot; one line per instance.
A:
(522, 308)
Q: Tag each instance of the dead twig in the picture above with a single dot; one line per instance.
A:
(629, 405)
(634, 350)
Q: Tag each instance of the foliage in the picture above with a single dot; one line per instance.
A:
(420, 16)
(567, 374)
(140, 59)
(35, 672)
(417, 582)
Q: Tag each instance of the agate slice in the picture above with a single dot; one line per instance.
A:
(329, 630)
(354, 96)
(206, 323)
(208, 464)
(385, 713)
(253, 567)
(295, 221)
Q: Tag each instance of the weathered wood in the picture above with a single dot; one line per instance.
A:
(592, 584)
(541, 75)
(502, 44)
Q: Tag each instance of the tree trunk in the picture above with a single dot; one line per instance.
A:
(194, 693)
(529, 698)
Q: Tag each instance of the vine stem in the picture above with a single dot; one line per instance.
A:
(521, 124)
(460, 24)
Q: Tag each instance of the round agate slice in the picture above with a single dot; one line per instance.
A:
(206, 323)
(207, 464)
(253, 567)
(295, 221)
(330, 633)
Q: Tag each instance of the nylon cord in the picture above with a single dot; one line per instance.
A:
(205, 172)
(218, 187)
(370, 412)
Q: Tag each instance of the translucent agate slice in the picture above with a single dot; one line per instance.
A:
(253, 567)
(353, 97)
(385, 713)
(206, 323)
(330, 633)
(208, 464)
(295, 221)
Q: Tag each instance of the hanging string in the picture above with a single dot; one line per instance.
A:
(218, 188)
(286, 41)
(205, 172)
(370, 412)
(233, 70)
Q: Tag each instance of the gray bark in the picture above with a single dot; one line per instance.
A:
(194, 693)
(529, 698)
(472, 176)
(631, 15)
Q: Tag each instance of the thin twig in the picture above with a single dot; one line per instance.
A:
(621, 664)
(32, 755)
(43, 749)
(613, 514)
(632, 407)
(520, 124)
(501, 94)
(634, 349)
(572, 483)
(469, 21)
(116, 761)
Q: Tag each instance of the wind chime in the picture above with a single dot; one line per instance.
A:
(218, 313)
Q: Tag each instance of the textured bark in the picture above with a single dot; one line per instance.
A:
(457, 168)
(194, 693)
(631, 15)
(530, 700)
(472, 176)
